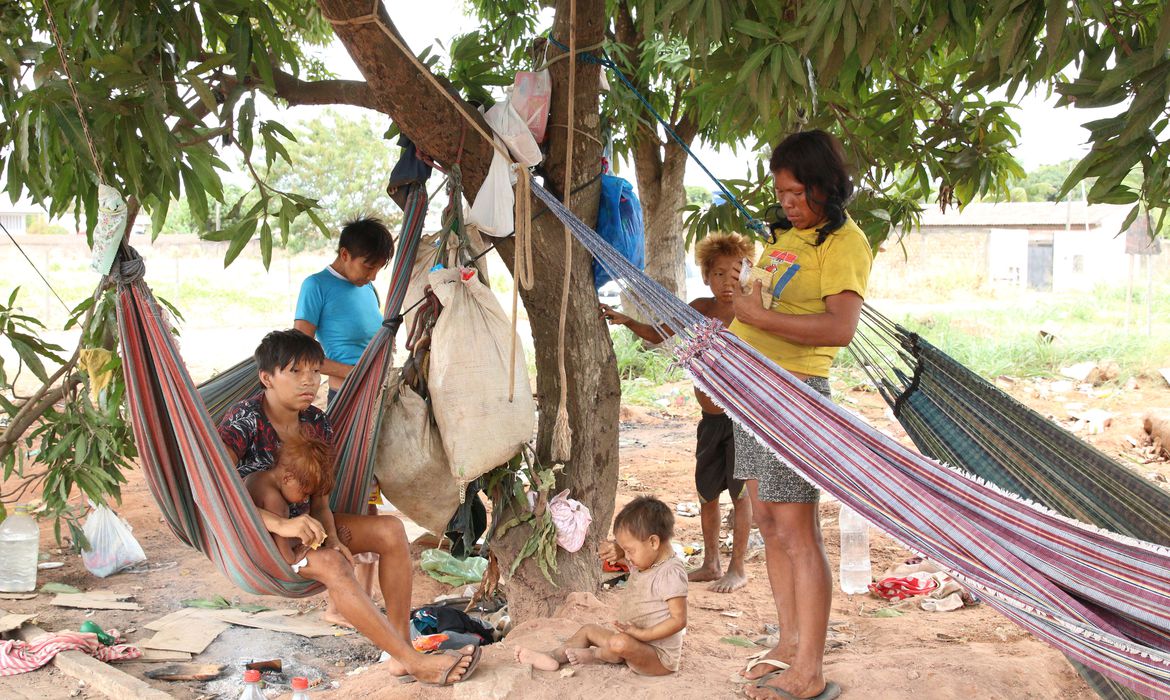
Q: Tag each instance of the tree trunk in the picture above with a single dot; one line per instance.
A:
(594, 393)
(660, 186)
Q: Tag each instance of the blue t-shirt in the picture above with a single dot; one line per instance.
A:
(346, 316)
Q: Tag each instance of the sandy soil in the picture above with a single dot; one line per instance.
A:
(972, 652)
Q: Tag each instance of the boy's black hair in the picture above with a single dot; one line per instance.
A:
(817, 161)
(280, 349)
(645, 516)
(367, 239)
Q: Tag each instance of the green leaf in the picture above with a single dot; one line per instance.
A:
(241, 44)
(55, 587)
(754, 29)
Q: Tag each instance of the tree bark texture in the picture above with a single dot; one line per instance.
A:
(399, 90)
(660, 169)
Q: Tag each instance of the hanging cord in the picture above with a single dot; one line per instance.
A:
(97, 168)
(607, 62)
(562, 436)
(521, 266)
(35, 268)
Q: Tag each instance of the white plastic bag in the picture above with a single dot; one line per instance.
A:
(492, 210)
(531, 95)
(471, 348)
(411, 466)
(511, 127)
(111, 546)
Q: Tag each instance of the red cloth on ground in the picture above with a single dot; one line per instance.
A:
(18, 656)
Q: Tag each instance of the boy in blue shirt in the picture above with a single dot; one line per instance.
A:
(338, 305)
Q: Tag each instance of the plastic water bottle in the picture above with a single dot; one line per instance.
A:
(856, 571)
(252, 686)
(300, 688)
(20, 539)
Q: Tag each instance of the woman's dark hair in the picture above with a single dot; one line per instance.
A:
(817, 161)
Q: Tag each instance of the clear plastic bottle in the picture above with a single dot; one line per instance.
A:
(20, 538)
(856, 571)
(252, 686)
(300, 688)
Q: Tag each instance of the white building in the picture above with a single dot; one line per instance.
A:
(1038, 245)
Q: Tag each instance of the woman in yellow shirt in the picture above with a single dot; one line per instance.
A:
(814, 316)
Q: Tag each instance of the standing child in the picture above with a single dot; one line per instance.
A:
(718, 256)
(652, 617)
(304, 469)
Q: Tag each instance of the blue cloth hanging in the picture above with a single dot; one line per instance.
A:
(619, 222)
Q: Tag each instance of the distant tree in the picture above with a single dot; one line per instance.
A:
(342, 162)
(698, 195)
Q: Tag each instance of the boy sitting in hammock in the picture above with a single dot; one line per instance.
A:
(254, 431)
(304, 469)
(718, 257)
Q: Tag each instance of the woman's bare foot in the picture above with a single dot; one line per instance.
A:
(731, 581)
(582, 657)
(538, 659)
(779, 652)
(709, 571)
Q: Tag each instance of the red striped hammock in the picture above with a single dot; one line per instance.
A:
(188, 470)
(1102, 599)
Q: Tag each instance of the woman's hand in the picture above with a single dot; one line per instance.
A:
(615, 318)
(748, 306)
(305, 528)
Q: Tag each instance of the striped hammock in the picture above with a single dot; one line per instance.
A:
(187, 467)
(1101, 598)
(957, 417)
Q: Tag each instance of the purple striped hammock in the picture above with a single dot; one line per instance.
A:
(1100, 598)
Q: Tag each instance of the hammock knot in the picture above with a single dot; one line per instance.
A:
(702, 336)
(129, 267)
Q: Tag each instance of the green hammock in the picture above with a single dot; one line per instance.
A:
(957, 417)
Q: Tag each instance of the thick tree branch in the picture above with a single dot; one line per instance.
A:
(323, 92)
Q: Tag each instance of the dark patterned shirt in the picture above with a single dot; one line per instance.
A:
(246, 430)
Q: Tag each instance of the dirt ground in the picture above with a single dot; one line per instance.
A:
(972, 652)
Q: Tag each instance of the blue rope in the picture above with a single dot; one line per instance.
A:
(606, 61)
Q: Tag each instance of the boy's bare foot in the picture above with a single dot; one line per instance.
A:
(393, 665)
(539, 660)
(709, 571)
(731, 581)
(335, 618)
(582, 657)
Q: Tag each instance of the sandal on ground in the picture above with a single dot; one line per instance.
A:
(758, 660)
(832, 691)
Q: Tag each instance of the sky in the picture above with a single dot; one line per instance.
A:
(1048, 134)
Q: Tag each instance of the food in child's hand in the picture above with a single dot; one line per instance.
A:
(750, 274)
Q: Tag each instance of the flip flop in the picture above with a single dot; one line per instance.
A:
(832, 691)
(758, 660)
(475, 656)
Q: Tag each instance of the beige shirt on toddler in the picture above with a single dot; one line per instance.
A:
(644, 604)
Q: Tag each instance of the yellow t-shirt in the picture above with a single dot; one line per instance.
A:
(839, 264)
